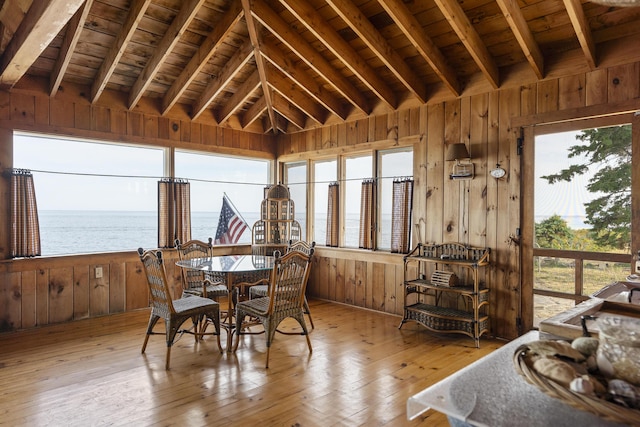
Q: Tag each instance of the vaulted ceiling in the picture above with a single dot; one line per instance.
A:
(284, 65)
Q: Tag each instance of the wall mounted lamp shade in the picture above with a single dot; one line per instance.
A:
(459, 170)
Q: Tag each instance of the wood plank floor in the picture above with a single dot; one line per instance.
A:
(361, 372)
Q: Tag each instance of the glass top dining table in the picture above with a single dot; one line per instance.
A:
(233, 271)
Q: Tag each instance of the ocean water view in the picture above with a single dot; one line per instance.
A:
(65, 232)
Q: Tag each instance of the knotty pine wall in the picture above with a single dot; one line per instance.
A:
(480, 212)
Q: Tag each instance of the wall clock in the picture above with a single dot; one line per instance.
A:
(498, 172)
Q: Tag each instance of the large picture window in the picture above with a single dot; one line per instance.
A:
(91, 197)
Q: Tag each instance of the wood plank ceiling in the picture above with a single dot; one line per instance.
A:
(284, 65)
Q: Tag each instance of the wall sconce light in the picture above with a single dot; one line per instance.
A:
(459, 170)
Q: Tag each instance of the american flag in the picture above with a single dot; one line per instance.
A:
(230, 225)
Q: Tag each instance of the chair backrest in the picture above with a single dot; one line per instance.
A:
(301, 246)
(157, 281)
(193, 249)
(288, 282)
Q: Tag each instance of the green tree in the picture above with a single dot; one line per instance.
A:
(553, 233)
(609, 150)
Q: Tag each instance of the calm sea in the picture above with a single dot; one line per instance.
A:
(74, 232)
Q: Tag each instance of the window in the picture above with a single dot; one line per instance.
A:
(211, 176)
(91, 197)
(325, 172)
(295, 175)
(356, 169)
(391, 164)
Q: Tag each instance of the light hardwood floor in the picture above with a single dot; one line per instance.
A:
(361, 372)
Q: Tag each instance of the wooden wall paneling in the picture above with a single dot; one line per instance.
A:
(547, 96)
(98, 292)
(419, 208)
(118, 121)
(478, 186)
(117, 276)
(351, 133)
(503, 296)
(360, 295)
(391, 287)
(466, 197)
(28, 299)
(572, 91)
(175, 130)
(10, 302)
(22, 108)
(341, 135)
(6, 161)
(164, 128)
(81, 292)
(150, 126)
(380, 132)
(453, 190)
(82, 115)
(375, 286)
(227, 138)
(331, 279)
(60, 294)
(135, 124)
(434, 193)
(100, 118)
(404, 123)
(5, 105)
(392, 126)
(42, 111)
(324, 265)
(415, 121)
(635, 186)
(350, 281)
(596, 82)
(208, 135)
(362, 134)
(195, 132)
(528, 100)
(624, 82)
(42, 297)
(340, 280)
(136, 289)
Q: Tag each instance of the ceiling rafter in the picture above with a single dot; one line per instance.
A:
(135, 15)
(43, 21)
(411, 29)
(226, 74)
(205, 51)
(303, 50)
(301, 76)
(255, 41)
(71, 37)
(583, 32)
(467, 34)
(287, 110)
(254, 112)
(307, 15)
(361, 25)
(522, 32)
(240, 96)
(171, 37)
(287, 88)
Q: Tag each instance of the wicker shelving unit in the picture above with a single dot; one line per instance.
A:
(434, 299)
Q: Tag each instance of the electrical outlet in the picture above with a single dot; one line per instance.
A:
(98, 272)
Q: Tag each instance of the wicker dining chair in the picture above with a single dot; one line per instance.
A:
(262, 290)
(174, 312)
(285, 299)
(195, 282)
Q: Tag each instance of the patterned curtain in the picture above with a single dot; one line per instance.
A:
(174, 212)
(333, 212)
(368, 205)
(401, 215)
(25, 227)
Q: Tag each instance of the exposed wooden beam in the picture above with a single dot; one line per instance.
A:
(513, 14)
(255, 41)
(238, 98)
(302, 77)
(42, 23)
(361, 25)
(171, 37)
(288, 111)
(136, 12)
(582, 29)
(71, 37)
(412, 29)
(307, 15)
(254, 112)
(206, 50)
(460, 23)
(228, 72)
(289, 90)
(279, 28)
